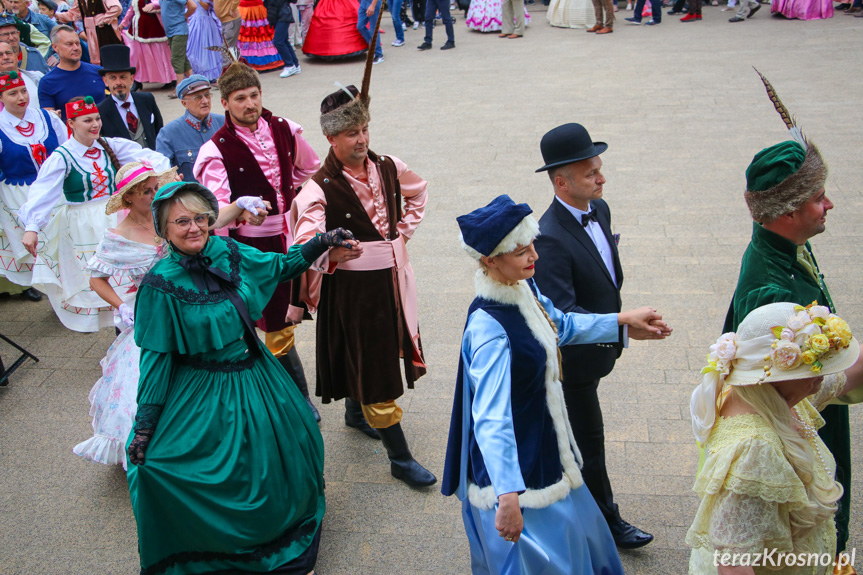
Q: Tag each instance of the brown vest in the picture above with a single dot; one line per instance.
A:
(361, 330)
(344, 208)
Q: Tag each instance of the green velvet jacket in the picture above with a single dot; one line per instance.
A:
(770, 273)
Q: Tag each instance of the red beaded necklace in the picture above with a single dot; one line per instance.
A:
(28, 130)
(93, 153)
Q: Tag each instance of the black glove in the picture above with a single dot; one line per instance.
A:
(337, 238)
(139, 445)
(315, 247)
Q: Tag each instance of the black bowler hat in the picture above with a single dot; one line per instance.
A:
(567, 144)
(115, 58)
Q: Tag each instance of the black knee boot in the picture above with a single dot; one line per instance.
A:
(402, 464)
(292, 364)
(354, 418)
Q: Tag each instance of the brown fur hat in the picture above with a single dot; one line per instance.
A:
(340, 112)
(238, 76)
(788, 195)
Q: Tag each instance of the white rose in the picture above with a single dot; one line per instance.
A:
(725, 347)
(786, 355)
(787, 334)
(819, 311)
(796, 323)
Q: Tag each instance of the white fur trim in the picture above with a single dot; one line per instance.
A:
(570, 457)
(521, 235)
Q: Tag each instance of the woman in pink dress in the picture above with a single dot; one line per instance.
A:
(803, 9)
(144, 34)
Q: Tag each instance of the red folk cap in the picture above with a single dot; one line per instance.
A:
(81, 108)
(10, 81)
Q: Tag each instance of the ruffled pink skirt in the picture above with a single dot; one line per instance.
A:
(152, 61)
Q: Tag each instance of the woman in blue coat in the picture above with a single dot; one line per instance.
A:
(511, 456)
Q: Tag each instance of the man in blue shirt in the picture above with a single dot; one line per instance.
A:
(181, 140)
(29, 58)
(177, 31)
(71, 77)
(22, 10)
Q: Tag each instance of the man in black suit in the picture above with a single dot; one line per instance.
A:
(133, 116)
(579, 270)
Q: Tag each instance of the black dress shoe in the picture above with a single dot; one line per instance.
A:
(628, 536)
(32, 294)
(843, 6)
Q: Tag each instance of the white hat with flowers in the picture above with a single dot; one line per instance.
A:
(775, 342)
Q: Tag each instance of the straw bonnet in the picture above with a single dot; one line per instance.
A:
(129, 176)
(775, 342)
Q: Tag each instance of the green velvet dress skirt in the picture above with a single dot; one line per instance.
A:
(233, 476)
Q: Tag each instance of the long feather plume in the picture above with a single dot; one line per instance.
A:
(370, 56)
(787, 118)
(226, 51)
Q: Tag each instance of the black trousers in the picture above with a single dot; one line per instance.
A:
(585, 416)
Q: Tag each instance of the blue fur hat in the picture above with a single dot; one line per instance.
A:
(497, 228)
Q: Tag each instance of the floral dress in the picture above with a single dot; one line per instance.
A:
(113, 398)
(748, 487)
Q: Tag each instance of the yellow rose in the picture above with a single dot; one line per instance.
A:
(839, 328)
(819, 343)
(809, 357)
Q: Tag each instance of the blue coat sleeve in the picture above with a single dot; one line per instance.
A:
(582, 327)
(487, 362)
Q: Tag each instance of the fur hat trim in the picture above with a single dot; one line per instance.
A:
(791, 193)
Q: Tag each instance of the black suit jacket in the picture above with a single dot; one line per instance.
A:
(113, 126)
(571, 273)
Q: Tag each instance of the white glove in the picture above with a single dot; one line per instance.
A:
(127, 314)
(251, 204)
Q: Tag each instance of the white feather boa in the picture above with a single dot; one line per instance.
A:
(570, 458)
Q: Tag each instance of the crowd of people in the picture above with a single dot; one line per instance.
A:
(191, 237)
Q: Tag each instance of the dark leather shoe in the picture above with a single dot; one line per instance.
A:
(628, 536)
(403, 466)
(32, 294)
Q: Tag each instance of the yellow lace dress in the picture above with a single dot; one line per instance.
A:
(747, 489)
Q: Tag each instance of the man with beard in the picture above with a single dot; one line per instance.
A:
(134, 116)
(181, 139)
(258, 154)
(366, 296)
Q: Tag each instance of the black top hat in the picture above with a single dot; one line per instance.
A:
(567, 144)
(115, 58)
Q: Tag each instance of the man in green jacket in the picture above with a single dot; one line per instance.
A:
(785, 194)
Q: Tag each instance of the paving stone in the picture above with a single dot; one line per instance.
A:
(683, 114)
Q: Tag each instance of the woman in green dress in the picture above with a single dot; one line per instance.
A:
(227, 471)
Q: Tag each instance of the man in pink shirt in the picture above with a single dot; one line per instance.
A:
(366, 296)
(268, 158)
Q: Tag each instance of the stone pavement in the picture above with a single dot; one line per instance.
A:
(683, 113)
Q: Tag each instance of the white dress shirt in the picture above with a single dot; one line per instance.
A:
(594, 230)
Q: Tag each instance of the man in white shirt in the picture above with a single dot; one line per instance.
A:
(579, 270)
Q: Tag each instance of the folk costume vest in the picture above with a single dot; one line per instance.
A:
(246, 178)
(105, 35)
(84, 183)
(538, 417)
(20, 163)
(352, 364)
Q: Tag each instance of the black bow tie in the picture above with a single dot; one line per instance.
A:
(591, 215)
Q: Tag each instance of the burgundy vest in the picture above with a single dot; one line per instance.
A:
(245, 176)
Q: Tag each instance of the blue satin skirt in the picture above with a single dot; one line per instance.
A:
(569, 537)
